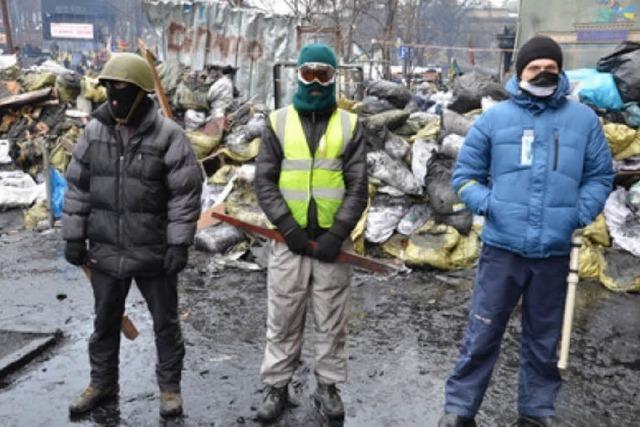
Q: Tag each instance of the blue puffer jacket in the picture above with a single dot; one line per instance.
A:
(532, 208)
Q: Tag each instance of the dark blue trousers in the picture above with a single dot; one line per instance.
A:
(502, 278)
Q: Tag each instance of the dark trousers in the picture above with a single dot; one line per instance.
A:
(161, 295)
(502, 278)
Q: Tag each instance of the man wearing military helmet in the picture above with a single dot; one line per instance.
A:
(134, 198)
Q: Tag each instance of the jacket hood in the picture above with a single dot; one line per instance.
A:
(538, 105)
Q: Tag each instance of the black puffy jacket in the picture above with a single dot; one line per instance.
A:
(132, 200)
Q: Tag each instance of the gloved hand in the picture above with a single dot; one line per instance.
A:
(175, 260)
(75, 252)
(328, 248)
(297, 241)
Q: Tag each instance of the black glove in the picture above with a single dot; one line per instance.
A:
(296, 238)
(75, 252)
(328, 248)
(175, 260)
(297, 241)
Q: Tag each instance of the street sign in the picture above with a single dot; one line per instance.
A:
(404, 53)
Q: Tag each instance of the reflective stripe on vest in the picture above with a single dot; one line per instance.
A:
(303, 176)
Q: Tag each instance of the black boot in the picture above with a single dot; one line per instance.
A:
(274, 402)
(327, 397)
(454, 420)
(531, 421)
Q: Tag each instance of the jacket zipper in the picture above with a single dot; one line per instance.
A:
(120, 184)
(556, 149)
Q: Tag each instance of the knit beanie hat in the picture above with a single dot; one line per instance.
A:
(303, 100)
(538, 47)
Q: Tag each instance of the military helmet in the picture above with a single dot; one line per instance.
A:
(129, 68)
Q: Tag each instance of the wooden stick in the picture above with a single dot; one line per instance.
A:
(162, 98)
(570, 302)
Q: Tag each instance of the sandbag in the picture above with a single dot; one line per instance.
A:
(596, 88)
(421, 152)
(415, 218)
(184, 98)
(93, 90)
(218, 239)
(202, 143)
(453, 122)
(623, 224)
(469, 89)
(619, 137)
(624, 64)
(395, 93)
(451, 145)
(393, 172)
(383, 217)
(619, 271)
(396, 146)
(68, 87)
(18, 189)
(37, 213)
(597, 232)
(631, 114)
(429, 131)
(36, 81)
(447, 206)
(442, 247)
(194, 119)
(373, 105)
(391, 119)
(633, 199)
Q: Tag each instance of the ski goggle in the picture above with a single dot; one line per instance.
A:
(317, 72)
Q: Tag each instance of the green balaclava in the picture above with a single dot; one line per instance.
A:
(303, 101)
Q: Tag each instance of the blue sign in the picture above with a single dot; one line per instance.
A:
(404, 52)
(602, 35)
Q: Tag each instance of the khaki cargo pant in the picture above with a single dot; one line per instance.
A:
(295, 282)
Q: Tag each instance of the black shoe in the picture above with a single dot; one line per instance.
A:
(327, 397)
(273, 404)
(454, 420)
(91, 397)
(530, 421)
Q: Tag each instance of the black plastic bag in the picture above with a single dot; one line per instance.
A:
(395, 93)
(469, 89)
(447, 206)
(624, 64)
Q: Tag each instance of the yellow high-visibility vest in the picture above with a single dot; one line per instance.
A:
(304, 176)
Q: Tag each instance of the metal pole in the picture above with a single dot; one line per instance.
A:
(7, 26)
(47, 178)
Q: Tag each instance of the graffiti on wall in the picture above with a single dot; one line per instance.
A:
(615, 11)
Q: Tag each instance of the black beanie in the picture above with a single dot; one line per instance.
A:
(538, 47)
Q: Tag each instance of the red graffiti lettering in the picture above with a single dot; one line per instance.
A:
(182, 40)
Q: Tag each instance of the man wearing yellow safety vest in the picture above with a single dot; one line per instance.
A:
(311, 181)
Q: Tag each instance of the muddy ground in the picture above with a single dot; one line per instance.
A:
(404, 336)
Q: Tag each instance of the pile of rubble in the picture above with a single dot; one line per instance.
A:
(413, 139)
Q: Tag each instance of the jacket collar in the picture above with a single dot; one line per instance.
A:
(539, 105)
(103, 115)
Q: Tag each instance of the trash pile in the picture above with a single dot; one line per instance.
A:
(413, 140)
(44, 109)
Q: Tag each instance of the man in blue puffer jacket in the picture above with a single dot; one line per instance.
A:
(536, 166)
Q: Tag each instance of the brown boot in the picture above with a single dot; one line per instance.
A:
(170, 404)
(91, 397)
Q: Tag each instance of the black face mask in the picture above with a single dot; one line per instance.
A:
(545, 79)
(123, 101)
